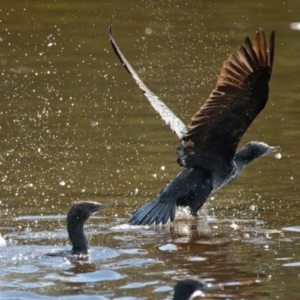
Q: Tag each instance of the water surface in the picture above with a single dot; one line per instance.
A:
(74, 126)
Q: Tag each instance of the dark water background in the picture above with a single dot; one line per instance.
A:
(74, 126)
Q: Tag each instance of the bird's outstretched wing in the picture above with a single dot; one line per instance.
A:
(166, 114)
(241, 93)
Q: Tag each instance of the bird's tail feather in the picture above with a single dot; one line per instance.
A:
(158, 212)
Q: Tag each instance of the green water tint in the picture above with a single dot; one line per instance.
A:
(75, 127)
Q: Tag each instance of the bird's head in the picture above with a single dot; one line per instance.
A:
(77, 215)
(192, 287)
(82, 210)
(254, 150)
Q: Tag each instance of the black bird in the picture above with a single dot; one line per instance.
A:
(79, 212)
(189, 288)
(208, 145)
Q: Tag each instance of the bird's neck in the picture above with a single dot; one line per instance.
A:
(78, 238)
(241, 160)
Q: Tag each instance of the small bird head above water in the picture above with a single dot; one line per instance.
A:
(82, 210)
(79, 212)
(189, 288)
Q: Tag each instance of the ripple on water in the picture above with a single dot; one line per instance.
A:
(137, 285)
(292, 228)
(89, 277)
(38, 253)
(163, 289)
(196, 258)
(132, 262)
(133, 251)
(168, 247)
(292, 264)
(12, 295)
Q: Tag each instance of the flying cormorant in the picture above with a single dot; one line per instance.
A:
(208, 145)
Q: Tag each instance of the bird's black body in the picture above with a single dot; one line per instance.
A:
(79, 212)
(208, 145)
(193, 186)
(190, 188)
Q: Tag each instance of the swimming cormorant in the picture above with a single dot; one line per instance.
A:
(208, 144)
(79, 212)
(189, 288)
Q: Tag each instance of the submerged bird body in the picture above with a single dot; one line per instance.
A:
(79, 212)
(208, 145)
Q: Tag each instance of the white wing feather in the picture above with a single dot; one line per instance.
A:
(166, 114)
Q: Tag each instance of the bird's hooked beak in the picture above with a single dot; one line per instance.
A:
(273, 149)
(99, 206)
